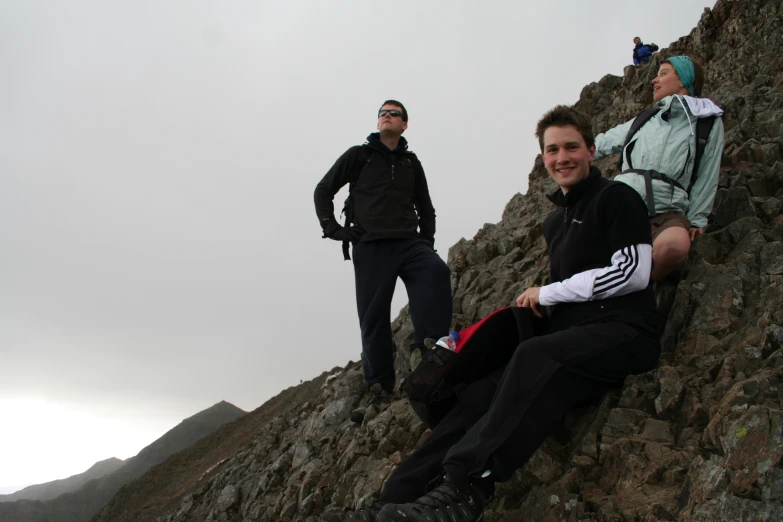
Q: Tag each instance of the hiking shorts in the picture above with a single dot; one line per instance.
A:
(666, 220)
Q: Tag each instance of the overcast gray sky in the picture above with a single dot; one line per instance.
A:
(160, 251)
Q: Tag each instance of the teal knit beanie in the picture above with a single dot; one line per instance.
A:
(684, 68)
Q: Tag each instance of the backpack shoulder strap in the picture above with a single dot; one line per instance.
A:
(643, 117)
(418, 168)
(413, 157)
(703, 129)
(364, 159)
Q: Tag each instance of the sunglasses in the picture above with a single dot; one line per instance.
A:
(393, 112)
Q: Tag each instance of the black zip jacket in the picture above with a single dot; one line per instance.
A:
(594, 220)
(390, 198)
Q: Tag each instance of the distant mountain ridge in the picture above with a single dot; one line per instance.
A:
(55, 488)
(80, 505)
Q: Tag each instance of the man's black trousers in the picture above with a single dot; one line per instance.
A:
(498, 422)
(377, 265)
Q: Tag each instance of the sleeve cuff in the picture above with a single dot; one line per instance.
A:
(545, 295)
(698, 222)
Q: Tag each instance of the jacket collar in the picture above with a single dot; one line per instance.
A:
(698, 107)
(665, 103)
(693, 108)
(374, 140)
(576, 192)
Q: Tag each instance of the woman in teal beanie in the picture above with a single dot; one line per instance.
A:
(659, 158)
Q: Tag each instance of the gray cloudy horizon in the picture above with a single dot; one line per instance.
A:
(160, 248)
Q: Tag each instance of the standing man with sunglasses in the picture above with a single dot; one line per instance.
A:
(391, 223)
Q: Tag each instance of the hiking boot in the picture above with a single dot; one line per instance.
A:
(375, 395)
(366, 514)
(418, 350)
(378, 395)
(444, 503)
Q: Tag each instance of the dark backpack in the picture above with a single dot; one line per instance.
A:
(703, 129)
(481, 349)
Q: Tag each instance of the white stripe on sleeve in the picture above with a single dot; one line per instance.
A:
(629, 272)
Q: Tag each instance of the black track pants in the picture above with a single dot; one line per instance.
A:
(591, 359)
(546, 378)
(427, 279)
(409, 480)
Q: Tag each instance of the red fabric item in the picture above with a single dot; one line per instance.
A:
(466, 333)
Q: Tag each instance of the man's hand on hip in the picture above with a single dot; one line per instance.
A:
(352, 233)
(529, 299)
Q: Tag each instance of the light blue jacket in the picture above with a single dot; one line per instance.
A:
(669, 147)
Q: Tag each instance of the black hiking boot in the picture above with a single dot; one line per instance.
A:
(445, 503)
(418, 351)
(366, 514)
(378, 395)
(375, 395)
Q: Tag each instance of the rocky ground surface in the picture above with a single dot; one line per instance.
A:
(698, 439)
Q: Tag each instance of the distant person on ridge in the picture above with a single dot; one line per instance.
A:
(390, 221)
(642, 52)
(672, 160)
(602, 327)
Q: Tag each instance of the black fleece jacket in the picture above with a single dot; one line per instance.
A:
(390, 199)
(594, 220)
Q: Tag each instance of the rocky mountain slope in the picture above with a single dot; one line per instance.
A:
(698, 439)
(80, 505)
(55, 488)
